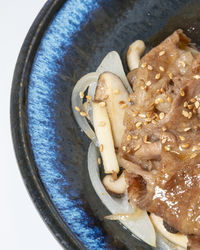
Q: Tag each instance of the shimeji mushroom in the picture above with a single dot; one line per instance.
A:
(117, 186)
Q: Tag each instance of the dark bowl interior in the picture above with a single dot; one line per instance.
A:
(67, 40)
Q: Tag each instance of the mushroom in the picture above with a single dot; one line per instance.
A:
(111, 90)
(134, 53)
(115, 186)
(104, 135)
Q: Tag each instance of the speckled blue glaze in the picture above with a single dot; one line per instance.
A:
(79, 36)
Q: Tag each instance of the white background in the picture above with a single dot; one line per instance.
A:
(21, 227)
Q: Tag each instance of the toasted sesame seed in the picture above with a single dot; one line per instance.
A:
(196, 77)
(101, 148)
(102, 124)
(161, 115)
(123, 106)
(193, 100)
(148, 120)
(77, 108)
(135, 137)
(161, 68)
(148, 83)
(167, 148)
(157, 76)
(161, 53)
(154, 122)
(159, 100)
(182, 92)
(81, 94)
(121, 102)
(182, 64)
(190, 106)
(142, 115)
(185, 104)
(138, 125)
(169, 99)
(99, 160)
(190, 115)
(170, 75)
(137, 147)
(186, 129)
(182, 138)
(102, 104)
(89, 97)
(164, 129)
(129, 99)
(185, 113)
(193, 155)
(185, 145)
(197, 104)
(162, 90)
(83, 114)
(195, 148)
(164, 140)
(149, 67)
(135, 113)
(124, 148)
(143, 87)
(128, 137)
(116, 91)
(144, 64)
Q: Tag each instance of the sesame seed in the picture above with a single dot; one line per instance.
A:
(193, 155)
(185, 104)
(137, 147)
(101, 148)
(182, 64)
(167, 148)
(148, 83)
(169, 99)
(161, 115)
(164, 140)
(121, 102)
(116, 91)
(162, 90)
(99, 160)
(142, 115)
(164, 129)
(197, 104)
(77, 108)
(154, 122)
(143, 87)
(190, 115)
(190, 106)
(196, 77)
(182, 92)
(81, 94)
(149, 67)
(194, 110)
(161, 53)
(159, 100)
(88, 97)
(185, 145)
(135, 113)
(129, 99)
(170, 75)
(102, 124)
(102, 104)
(182, 138)
(193, 100)
(124, 148)
(128, 137)
(144, 64)
(161, 69)
(138, 125)
(123, 106)
(186, 129)
(148, 120)
(83, 114)
(157, 76)
(185, 113)
(158, 91)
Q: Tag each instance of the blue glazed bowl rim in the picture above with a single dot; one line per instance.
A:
(19, 128)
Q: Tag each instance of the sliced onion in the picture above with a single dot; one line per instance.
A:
(81, 86)
(112, 63)
(140, 226)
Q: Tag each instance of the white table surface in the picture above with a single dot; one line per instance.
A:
(21, 227)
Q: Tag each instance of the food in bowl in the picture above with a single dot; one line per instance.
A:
(146, 126)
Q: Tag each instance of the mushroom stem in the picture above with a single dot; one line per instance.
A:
(117, 186)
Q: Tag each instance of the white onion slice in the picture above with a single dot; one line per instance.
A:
(140, 226)
(112, 63)
(82, 85)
